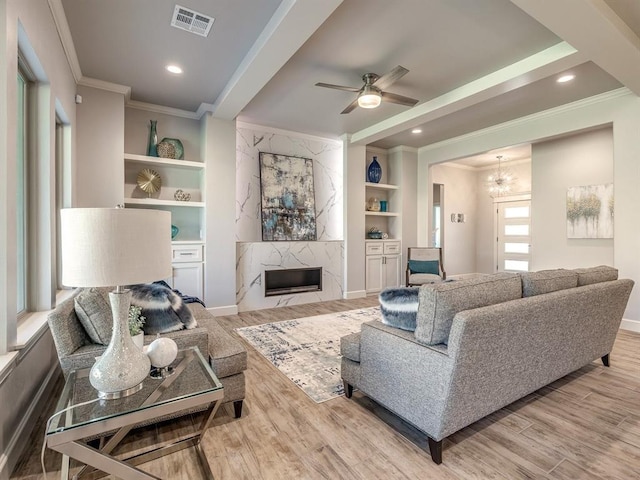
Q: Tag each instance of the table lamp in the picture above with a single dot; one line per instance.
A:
(107, 247)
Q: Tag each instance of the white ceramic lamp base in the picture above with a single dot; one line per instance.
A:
(123, 366)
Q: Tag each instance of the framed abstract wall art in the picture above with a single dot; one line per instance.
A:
(590, 211)
(287, 198)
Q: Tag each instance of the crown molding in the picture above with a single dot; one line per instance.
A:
(108, 86)
(403, 148)
(459, 166)
(205, 108)
(150, 107)
(288, 133)
(378, 150)
(62, 26)
(546, 114)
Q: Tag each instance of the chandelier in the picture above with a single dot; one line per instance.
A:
(500, 181)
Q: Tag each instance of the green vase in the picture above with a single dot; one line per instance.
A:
(152, 145)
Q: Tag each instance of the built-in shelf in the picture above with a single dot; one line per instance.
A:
(170, 162)
(164, 203)
(381, 186)
(382, 214)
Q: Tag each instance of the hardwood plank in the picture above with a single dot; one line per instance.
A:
(567, 470)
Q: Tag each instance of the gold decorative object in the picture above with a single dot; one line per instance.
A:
(149, 181)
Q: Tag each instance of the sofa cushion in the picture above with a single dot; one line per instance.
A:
(547, 281)
(163, 309)
(94, 313)
(439, 303)
(350, 346)
(399, 307)
(424, 266)
(422, 278)
(601, 273)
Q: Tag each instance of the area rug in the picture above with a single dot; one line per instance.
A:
(307, 350)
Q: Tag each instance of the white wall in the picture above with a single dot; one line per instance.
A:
(100, 145)
(578, 160)
(218, 146)
(354, 164)
(459, 239)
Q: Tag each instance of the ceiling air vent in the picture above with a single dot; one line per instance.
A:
(191, 21)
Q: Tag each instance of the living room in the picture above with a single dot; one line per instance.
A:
(587, 137)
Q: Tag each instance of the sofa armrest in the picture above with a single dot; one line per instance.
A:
(410, 379)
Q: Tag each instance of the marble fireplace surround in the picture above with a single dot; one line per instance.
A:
(253, 258)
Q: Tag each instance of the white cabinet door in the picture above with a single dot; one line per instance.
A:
(188, 278)
(391, 269)
(373, 273)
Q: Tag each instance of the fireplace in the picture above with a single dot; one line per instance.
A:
(292, 280)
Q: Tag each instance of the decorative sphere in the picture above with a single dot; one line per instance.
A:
(162, 352)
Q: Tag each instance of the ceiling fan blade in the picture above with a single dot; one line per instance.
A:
(400, 99)
(390, 77)
(337, 87)
(350, 107)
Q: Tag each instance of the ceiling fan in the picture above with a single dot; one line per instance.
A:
(372, 92)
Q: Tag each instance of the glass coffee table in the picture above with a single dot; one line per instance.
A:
(82, 418)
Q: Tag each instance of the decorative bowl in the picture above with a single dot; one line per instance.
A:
(166, 150)
(177, 145)
(174, 231)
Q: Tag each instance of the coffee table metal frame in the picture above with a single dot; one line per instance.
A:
(67, 438)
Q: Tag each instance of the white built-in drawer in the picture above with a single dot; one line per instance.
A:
(186, 253)
(374, 248)
(391, 248)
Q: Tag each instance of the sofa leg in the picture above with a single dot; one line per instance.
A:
(237, 408)
(436, 450)
(348, 389)
(605, 360)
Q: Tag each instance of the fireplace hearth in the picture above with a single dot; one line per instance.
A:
(292, 280)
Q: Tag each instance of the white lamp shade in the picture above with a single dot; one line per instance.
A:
(104, 247)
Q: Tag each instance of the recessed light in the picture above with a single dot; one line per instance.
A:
(566, 78)
(174, 69)
(416, 130)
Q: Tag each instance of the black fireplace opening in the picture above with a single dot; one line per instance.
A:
(292, 280)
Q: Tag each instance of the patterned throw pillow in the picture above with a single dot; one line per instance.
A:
(94, 312)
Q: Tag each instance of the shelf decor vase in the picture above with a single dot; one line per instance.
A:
(374, 172)
(152, 145)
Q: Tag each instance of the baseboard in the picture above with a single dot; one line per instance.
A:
(631, 325)
(20, 437)
(354, 294)
(222, 311)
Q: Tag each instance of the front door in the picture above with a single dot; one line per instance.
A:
(513, 239)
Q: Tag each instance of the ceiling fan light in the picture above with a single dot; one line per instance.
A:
(369, 98)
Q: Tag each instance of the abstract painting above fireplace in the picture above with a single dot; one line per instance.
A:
(287, 198)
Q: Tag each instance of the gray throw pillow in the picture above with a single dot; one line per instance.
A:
(547, 281)
(439, 303)
(163, 309)
(601, 273)
(399, 307)
(94, 313)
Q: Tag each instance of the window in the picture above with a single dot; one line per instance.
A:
(22, 189)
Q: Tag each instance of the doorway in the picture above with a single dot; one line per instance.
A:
(513, 236)
(438, 215)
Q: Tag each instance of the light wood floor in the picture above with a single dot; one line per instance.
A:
(584, 426)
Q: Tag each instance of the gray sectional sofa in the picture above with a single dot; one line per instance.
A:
(481, 344)
(227, 356)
